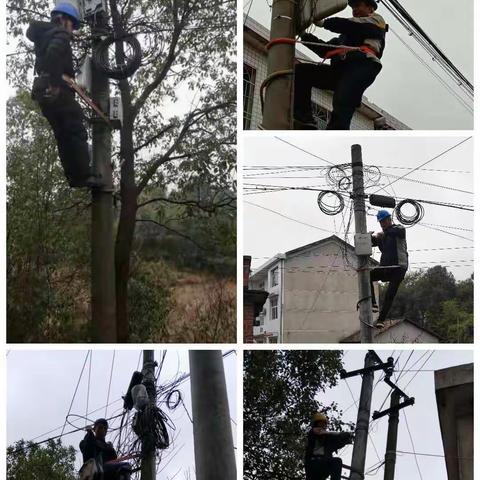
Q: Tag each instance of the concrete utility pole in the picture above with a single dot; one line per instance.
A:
(102, 259)
(277, 111)
(212, 430)
(363, 420)
(391, 451)
(363, 273)
(148, 467)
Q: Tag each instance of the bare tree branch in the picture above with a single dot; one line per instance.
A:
(186, 237)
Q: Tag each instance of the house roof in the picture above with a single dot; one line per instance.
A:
(389, 325)
(261, 35)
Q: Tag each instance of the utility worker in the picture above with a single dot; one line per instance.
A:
(94, 446)
(319, 461)
(57, 102)
(351, 71)
(392, 242)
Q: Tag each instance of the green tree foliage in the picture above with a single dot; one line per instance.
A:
(177, 142)
(47, 241)
(435, 300)
(280, 397)
(52, 461)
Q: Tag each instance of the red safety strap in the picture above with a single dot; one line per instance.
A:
(280, 40)
(344, 50)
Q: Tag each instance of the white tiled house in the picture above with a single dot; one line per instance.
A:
(313, 293)
(255, 36)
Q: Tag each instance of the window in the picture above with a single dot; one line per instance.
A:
(274, 277)
(274, 308)
(321, 115)
(249, 74)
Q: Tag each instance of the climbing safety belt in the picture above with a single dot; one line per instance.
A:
(338, 50)
(86, 99)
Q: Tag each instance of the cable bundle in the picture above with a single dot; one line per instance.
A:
(132, 53)
(329, 209)
(409, 220)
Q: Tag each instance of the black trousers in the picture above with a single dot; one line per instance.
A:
(347, 78)
(320, 468)
(116, 471)
(66, 118)
(394, 276)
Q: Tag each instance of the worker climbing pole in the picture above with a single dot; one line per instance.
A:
(54, 89)
(355, 61)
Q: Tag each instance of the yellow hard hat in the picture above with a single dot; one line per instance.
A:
(319, 417)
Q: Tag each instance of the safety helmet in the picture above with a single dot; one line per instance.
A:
(100, 421)
(70, 10)
(319, 417)
(372, 3)
(383, 214)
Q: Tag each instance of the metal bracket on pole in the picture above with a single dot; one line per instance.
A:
(385, 366)
(408, 402)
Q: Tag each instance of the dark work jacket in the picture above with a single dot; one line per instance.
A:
(53, 51)
(92, 448)
(326, 444)
(393, 246)
(354, 32)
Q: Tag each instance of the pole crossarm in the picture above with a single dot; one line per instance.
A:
(408, 402)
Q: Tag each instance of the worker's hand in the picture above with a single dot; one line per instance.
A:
(319, 23)
(379, 234)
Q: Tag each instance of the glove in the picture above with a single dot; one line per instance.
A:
(319, 23)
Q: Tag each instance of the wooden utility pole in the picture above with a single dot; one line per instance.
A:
(212, 430)
(363, 420)
(102, 239)
(277, 111)
(363, 261)
(391, 451)
(148, 467)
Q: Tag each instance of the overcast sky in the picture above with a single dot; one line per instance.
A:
(422, 418)
(405, 88)
(429, 243)
(41, 385)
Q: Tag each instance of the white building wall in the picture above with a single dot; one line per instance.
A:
(321, 295)
(270, 330)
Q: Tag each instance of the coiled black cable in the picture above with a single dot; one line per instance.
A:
(106, 62)
(327, 208)
(409, 220)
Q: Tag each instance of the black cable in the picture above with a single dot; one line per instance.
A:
(328, 208)
(412, 219)
(132, 53)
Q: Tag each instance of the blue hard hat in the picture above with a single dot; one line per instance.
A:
(383, 214)
(68, 9)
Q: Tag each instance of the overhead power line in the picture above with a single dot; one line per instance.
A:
(429, 161)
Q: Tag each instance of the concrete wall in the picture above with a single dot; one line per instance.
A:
(454, 391)
(321, 295)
